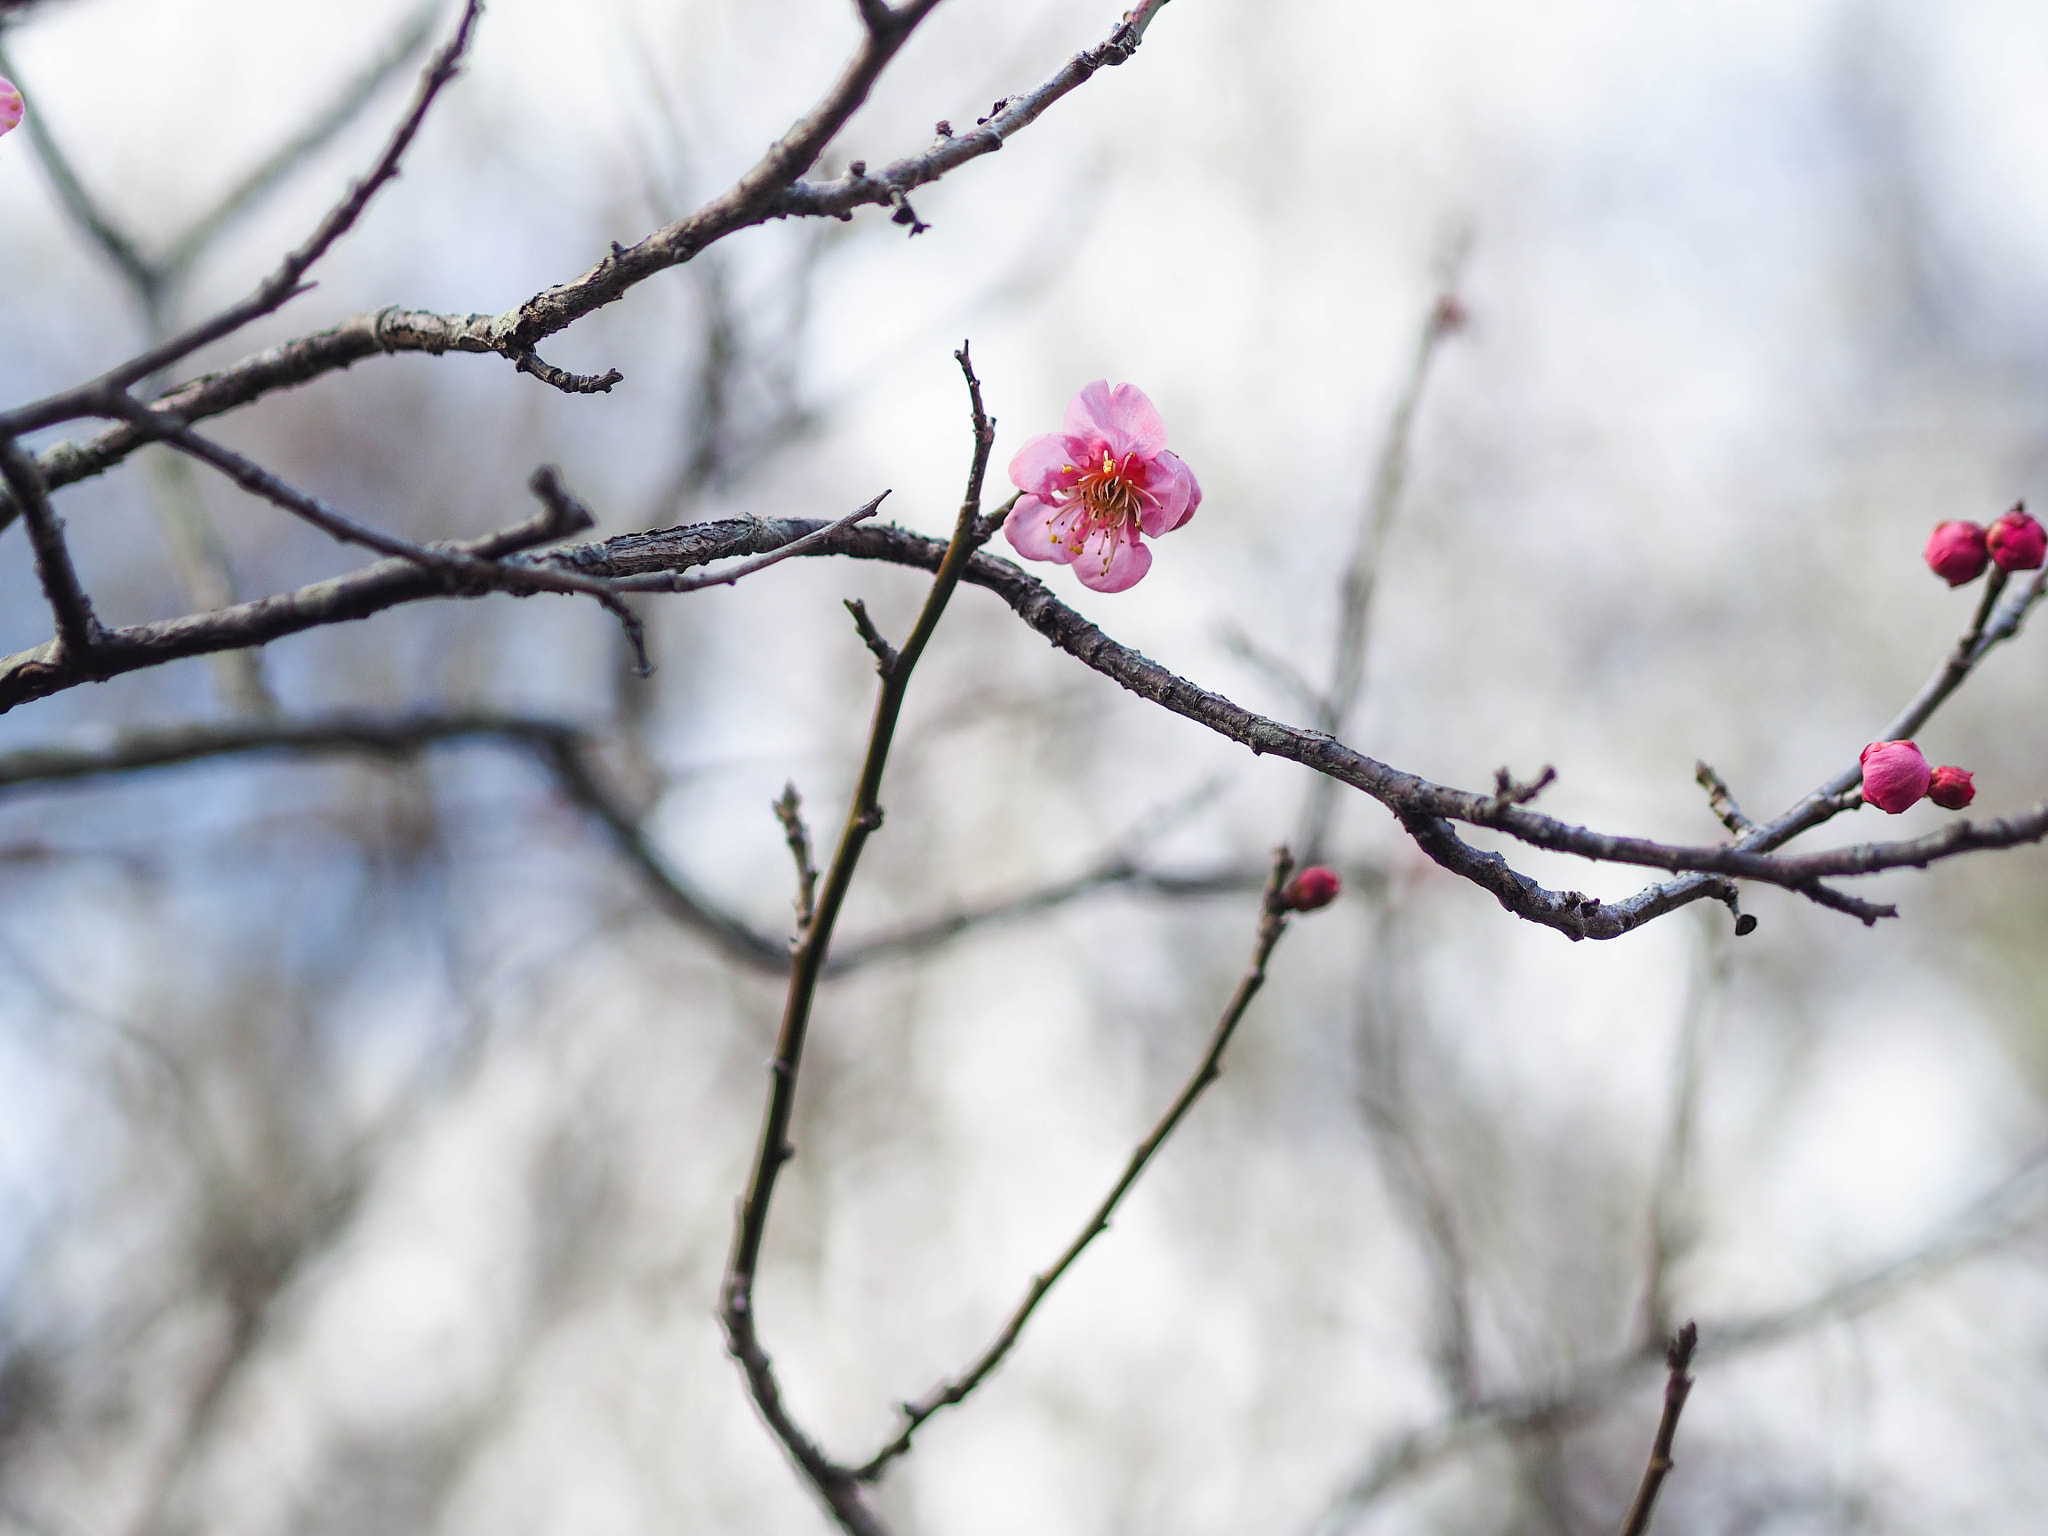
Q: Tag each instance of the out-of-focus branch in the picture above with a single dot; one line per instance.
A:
(754, 198)
(836, 1487)
(1361, 577)
(1272, 923)
(574, 759)
(1677, 1388)
(186, 251)
(1670, 1224)
(2009, 1208)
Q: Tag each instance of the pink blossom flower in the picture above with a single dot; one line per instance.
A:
(1951, 788)
(2017, 542)
(1091, 489)
(10, 105)
(1956, 552)
(1313, 887)
(1895, 775)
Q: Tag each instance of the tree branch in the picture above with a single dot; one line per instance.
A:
(77, 630)
(837, 1488)
(93, 398)
(755, 197)
(1677, 1387)
(1272, 923)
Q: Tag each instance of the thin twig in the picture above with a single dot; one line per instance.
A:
(789, 810)
(837, 1488)
(2007, 1209)
(1722, 800)
(1272, 923)
(1677, 1387)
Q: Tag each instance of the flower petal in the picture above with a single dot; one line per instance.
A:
(1089, 412)
(1186, 477)
(1029, 534)
(1126, 562)
(1170, 494)
(1037, 468)
(1132, 413)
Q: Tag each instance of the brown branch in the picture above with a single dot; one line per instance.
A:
(789, 810)
(275, 290)
(838, 1489)
(759, 195)
(1425, 809)
(77, 630)
(1677, 1388)
(1272, 923)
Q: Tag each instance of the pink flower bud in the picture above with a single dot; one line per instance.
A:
(1895, 775)
(1313, 887)
(1956, 552)
(2016, 541)
(1951, 788)
(10, 105)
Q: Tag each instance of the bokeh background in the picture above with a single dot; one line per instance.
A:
(369, 1134)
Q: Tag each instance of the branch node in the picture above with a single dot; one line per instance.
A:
(1508, 790)
(529, 361)
(789, 811)
(885, 653)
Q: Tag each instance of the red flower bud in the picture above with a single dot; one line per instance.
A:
(1956, 552)
(1950, 788)
(1895, 775)
(1313, 887)
(2016, 541)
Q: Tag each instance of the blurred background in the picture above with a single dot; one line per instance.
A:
(369, 1131)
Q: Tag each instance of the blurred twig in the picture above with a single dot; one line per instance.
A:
(2008, 1209)
(1382, 502)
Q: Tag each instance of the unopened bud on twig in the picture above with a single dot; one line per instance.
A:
(1956, 552)
(1895, 775)
(1313, 887)
(1951, 787)
(10, 105)
(2016, 541)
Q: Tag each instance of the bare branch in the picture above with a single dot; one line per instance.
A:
(836, 1488)
(758, 195)
(789, 810)
(77, 630)
(1677, 1387)
(2009, 1208)
(281, 285)
(185, 252)
(1722, 800)
(1272, 923)
(1360, 584)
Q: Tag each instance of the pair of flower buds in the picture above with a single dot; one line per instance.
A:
(1958, 552)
